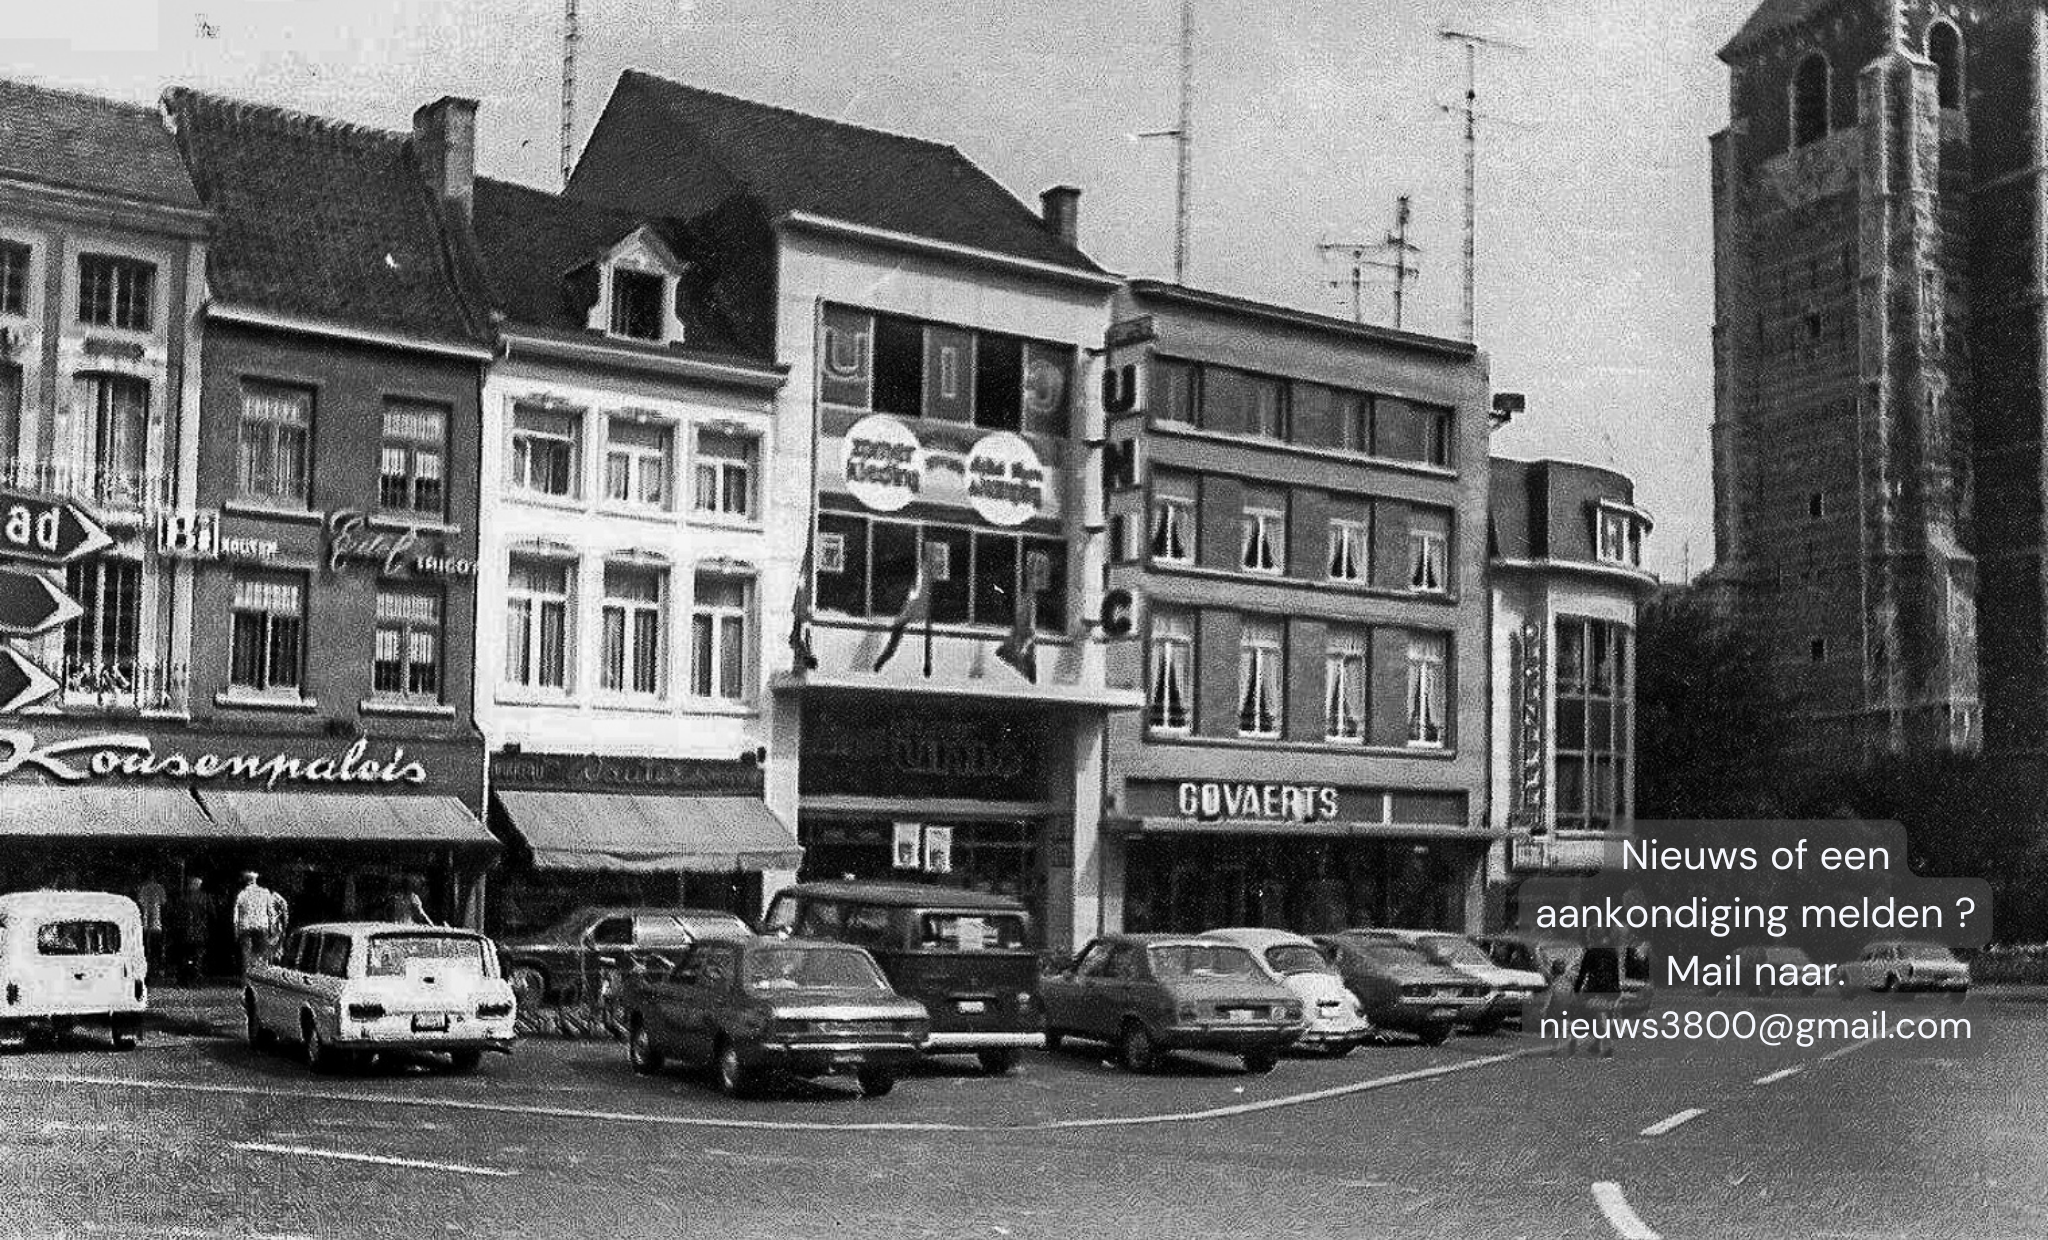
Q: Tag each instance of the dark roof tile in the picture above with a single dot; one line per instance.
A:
(87, 143)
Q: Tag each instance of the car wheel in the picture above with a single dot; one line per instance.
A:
(875, 1082)
(1435, 1035)
(320, 1057)
(1259, 1063)
(734, 1080)
(1890, 983)
(640, 1048)
(1490, 1024)
(1053, 1038)
(529, 985)
(1001, 1061)
(1139, 1053)
(465, 1061)
(259, 1037)
(126, 1036)
(1337, 1050)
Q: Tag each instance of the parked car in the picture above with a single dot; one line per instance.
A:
(581, 957)
(1548, 955)
(1509, 991)
(1906, 964)
(345, 990)
(745, 1007)
(969, 956)
(1400, 988)
(70, 958)
(1150, 994)
(1336, 1022)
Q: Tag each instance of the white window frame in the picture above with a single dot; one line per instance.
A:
(519, 474)
(1347, 665)
(717, 471)
(409, 630)
(1350, 554)
(1262, 541)
(637, 459)
(1428, 562)
(533, 604)
(707, 678)
(1427, 657)
(624, 681)
(1261, 671)
(1620, 523)
(121, 292)
(1171, 669)
(1171, 526)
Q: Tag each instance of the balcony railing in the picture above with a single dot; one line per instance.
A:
(104, 488)
(131, 684)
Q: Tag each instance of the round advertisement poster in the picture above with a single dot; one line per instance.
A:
(883, 462)
(1005, 481)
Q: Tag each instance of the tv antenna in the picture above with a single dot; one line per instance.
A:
(1390, 255)
(571, 35)
(1473, 42)
(1183, 135)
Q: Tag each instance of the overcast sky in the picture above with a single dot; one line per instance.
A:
(1311, 116)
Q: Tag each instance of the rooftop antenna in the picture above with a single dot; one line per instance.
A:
(1183, 135)
(1389, 255)
(1473, 42)
(570, 36)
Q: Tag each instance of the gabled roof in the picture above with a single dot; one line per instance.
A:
(322, 220)
(1770, 17)
(530, 242)
(664, 146)
(82, 142)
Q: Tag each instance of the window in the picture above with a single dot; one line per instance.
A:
(842, 565)
(1817, 650)
(115, 420)
(1405, 431)
(1353, 413)
(1344, 679)
(1810, 100)
(1619, 541)
(1173, 519)
(999, 382)
(893, 562)
(1428, 539)
(270, 447)
(1350, 548)
(115, 292)
(1436, 436)
(100, 646)
(718, 636)
(1945, 49)
(14, 277)
(1048, 375)
(407, 659)
(413, 457)
(1045, 577)
(633, 624)
(1591, 704)
(78, 938)
(1180, 391)
(10, 425)
(1243, 403)
(1816, 505)
(267, 635)
(725, 473)
(899, 367)
(948, 563)
(1263, 539)
(1258, 679)
(1426, 691)
(546, 453)
(1170, 687)
(636, 304)
(537, 623)
(637, 456)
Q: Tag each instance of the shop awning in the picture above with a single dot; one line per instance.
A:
(1303, 830)
(616, 831)
(131, 812)
(288, 817)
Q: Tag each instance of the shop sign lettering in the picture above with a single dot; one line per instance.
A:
(883, 462)
(1271, 802)
(1005, 480)
(350, 536)
(1531, 757)
(602, 771)
(127, 755)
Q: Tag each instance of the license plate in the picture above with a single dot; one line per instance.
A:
(437, 1023)
(1241, 1014)
(973, 1005)
(1442, 1013)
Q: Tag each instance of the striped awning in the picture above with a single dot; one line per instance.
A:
(618, 831)
(112, 812)
(290, 817)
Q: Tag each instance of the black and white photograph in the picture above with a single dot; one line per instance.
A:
(1024, 619)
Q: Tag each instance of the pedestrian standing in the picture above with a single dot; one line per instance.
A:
(150, 898)
(259, 919)
(195, 926)
(1597, 988)
(407, 904)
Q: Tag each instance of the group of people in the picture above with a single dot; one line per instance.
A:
(258, 918)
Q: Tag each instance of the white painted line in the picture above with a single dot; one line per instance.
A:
(1772, 1078)
(761, 1125)
(1669, 1122)
(382, 1160)
(1838, 1052)
(1626, 1222)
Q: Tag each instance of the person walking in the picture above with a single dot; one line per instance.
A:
(150, 899)
(407, 905)
(260, 915)
(1597, 990)
(195, 925)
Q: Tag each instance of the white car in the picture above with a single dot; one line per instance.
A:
(344, 990)
(1508, 990)
(70, 957)
(1336, 1022)
(1906, 964)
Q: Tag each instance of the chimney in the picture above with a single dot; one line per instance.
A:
(1060, 209)
(444, 138)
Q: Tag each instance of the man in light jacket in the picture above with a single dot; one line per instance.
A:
(259, 919)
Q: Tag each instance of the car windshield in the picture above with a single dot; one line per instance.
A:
(714, 925)
(972, 932)
(1202, 960)
(798, 968)
(396, 955)
(78, 938)
(1925, 951)
(1291, 958)
(1451, 949)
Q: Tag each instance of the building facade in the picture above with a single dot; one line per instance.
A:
(938, 710)
(1297, 512)
(1565, 574)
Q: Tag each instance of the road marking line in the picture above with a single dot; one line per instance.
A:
(382, 1160)
(1669, 1122)
(1838, 1052)
(767, 1125)
(1626, 1222)
(1772, 1078)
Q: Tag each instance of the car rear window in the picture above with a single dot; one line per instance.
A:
(78, 938)
(793, 968)
(1201, 960)
(1925, 951)
(1290, 958)
(1387, 951)
(1454, 950)
(972, 932)
(393, 955)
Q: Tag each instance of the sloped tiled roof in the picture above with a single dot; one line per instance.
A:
(664, 146)
(323, 220)
(82, 142)
(530, 240)
(1772, 16)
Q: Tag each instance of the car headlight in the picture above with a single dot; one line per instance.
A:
(1291, 1011)
(1188, 1013)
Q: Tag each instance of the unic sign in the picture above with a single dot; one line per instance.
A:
(127, 755)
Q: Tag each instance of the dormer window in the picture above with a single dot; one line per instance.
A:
(636, 304)
(1619, 535)
(639, 287)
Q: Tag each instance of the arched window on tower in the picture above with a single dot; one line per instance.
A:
(1945, 49)
(1810, 100)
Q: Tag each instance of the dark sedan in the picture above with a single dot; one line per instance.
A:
(1147, 994)
(748, 1008)
(1400, 988)
(581, 958)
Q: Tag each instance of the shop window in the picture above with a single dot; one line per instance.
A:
(1045, 576)
(14, 277)
(1259, 673)
(1350, 548)
(724, 474)
(271, 443)
(113, 439)
(1809, 93)
(1426, 691)
(1173, 519)
(999, 382)
(1945, 49)
(893, 556)
(636, 304)
(1263, 532)
(899, 367)
(1428, 543)
(995, 579)
(634, 623)
(101, 646)
(720, 616)
(267, 632)
(639, 456)
(115, 292)
(949, 566)
(1170, 686)
(1344, 685)
(1179, 387)
(407, 660)
(537, 623)
(413, 458)
(546, 451)
(842, 565)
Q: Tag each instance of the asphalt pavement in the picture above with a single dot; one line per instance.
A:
(197, 1136)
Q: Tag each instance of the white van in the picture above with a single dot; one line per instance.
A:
(71, 957)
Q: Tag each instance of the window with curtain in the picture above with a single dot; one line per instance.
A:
(114, 418)
(1170, 689)
(407, 658)
(1344, 685)
(1426, 691)
(537, 628)
(725, 470)
(638, 456)
(271, 445)
(1173, 519)
(1263, 541)
(633, 619)
(267, 632)
(546, 451)
(1259, 673)
(1428, 549)
(1350, 548)
(413, 458)
(719, 618)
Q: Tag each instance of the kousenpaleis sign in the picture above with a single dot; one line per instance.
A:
(133, 756)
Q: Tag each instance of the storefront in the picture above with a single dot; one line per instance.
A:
(611, 829)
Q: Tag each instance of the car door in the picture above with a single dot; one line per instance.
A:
(1062, 993)
(603, 954)
(707, 1003)
(1105, 990)
(270, 982)
(664, 996)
